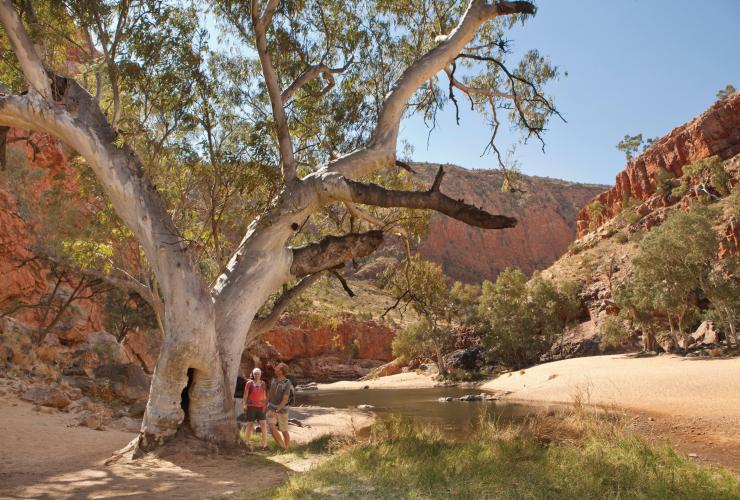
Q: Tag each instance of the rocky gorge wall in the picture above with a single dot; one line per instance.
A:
(714, 132)
(546, 211)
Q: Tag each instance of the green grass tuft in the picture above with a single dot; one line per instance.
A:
(534, 460)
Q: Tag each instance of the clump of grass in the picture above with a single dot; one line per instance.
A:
(580, 454)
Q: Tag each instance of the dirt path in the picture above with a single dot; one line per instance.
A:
(693, 403)
(47, 456)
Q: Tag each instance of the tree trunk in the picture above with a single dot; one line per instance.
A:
(684, 335)
(673, 332)
(189, 360)
(441, 362)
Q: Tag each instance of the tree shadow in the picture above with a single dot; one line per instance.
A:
(182, 474)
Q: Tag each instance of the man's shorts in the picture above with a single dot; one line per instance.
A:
(255, 413)
(279, 419)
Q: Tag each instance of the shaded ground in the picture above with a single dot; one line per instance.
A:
(47, 456)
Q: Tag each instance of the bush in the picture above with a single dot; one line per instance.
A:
(663, 182)
(612, 332)
(712, 169)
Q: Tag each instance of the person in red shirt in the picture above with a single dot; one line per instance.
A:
(255, 399)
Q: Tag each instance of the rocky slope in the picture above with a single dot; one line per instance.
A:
(600, 259)
(546, 211)
(714, 132)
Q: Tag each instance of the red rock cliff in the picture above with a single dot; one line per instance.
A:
(714, 132)
(546, 212)
(42, 164)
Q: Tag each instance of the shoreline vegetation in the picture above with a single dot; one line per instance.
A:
(579, 454)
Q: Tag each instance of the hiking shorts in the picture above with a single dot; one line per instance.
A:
(255, 413)
(280, 419)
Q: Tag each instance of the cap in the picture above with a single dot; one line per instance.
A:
(256, 371)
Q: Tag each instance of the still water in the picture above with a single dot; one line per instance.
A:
(422, 406)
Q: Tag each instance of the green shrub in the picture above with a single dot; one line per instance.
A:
(621, 237)
(680, 190)
(612, 332)
(663, 182)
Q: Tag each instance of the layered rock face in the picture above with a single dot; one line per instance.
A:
(714, 132)
(546, 213)
(346, 350)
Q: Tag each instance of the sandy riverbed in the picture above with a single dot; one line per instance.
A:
(48, 456)
(667, 384)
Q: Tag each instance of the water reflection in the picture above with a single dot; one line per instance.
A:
(422, 406)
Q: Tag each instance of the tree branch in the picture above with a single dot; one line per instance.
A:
(382, 148)
(33, 68)
(343, 282)
(264, 324)
(309, 74)
(79, 122)
(285, 142)
(341, 189)
(333, 251)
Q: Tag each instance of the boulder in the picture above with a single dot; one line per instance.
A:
(445, 399)
(137, 409)
(666, 343)
(127, 381)
(365, 407)
(471, 397)
(91, 420)
(391, 368)
(465, 359)
(46, 396)
(429, 368)
(576, 341)
(707, 333)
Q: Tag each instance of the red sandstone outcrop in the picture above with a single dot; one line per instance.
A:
(42, 164)
(546, 213)
(348, 350)
(714, 132)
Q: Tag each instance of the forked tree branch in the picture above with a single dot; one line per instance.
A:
(33, 68)
(309, 74)
(382, 148)
(340, 189)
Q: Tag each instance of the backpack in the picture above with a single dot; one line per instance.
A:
(250, 384)
(291, 394)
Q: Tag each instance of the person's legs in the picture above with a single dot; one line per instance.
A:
(276, 435)
(248, 433)
(263, 428)
(282, 419)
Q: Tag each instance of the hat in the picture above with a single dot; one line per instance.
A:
(256, 371)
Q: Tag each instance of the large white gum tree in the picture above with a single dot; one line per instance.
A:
(352, 72)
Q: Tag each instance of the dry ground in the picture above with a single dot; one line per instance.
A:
(46, 456)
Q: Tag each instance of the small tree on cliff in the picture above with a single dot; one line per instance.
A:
(726, 92)
(323, 124)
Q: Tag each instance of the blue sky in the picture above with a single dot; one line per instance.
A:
(633, 66)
